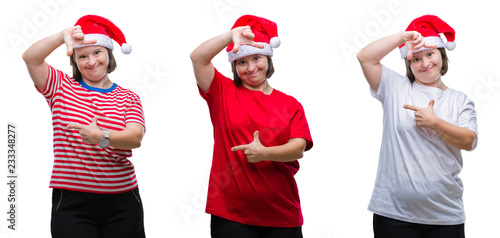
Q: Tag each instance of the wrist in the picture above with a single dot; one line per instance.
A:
(402, 39)
(266, 153)
(62, 35)
(104, 141)
(230, 36)
(435, 124)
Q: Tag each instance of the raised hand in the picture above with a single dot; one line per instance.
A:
(74, 36)
(244, 36)
(424, 117)
(91, 134)
(255, 151)
(414, 41)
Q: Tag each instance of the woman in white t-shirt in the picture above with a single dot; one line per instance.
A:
(418, 192)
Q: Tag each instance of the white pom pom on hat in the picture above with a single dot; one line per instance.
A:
(126, 48)
(451, 45)
(275, 42)
(430, 26)
(266, 33)
(104, 31)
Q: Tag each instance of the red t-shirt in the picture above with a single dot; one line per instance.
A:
(263, 193)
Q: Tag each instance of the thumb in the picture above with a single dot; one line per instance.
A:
(409, 55)
(236, 47)
(69, 52)
(431, 103)
(256, 136)
(94, 121)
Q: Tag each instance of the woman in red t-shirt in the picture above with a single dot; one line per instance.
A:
(259, 134)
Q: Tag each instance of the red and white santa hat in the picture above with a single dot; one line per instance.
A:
(104, 31)
(430, 26)
(266, 33)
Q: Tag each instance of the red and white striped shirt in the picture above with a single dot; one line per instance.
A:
(85, 167)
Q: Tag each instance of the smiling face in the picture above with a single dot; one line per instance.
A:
(92, 62)
(252, 70)
(426, 67)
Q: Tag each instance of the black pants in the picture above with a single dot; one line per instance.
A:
(223, 228)
(384, 227)
(91, 215)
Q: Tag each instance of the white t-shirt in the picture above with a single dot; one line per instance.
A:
(417, 179)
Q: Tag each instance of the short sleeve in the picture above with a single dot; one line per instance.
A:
(299, 128)
(135, 112)
(379, 95)
(388, 82)
(467, 119)
(54, 82)
(215, 87)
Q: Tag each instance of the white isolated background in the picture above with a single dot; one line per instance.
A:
(316, 63)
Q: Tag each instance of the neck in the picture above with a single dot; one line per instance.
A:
(436, 84)
(103, 83)
(264, 87)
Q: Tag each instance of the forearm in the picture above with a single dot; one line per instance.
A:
(291, 151)
(35, 56)
(39, 51)
(374, 52)
(202, 56)
(205, 52)
(370, 57)
(130, 138)
(458, 137)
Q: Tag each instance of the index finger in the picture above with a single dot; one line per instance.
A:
(411, 107)
(239, 147)
(258, 45)
(75, 126)
(429, 46)
(83, 43)
(89, 42)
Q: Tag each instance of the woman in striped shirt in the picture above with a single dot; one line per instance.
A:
(96, 125)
